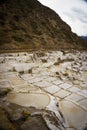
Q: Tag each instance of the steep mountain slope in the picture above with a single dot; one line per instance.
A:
(26, 24)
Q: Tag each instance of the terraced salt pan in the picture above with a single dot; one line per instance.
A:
(4, 84)
(38, 100)
(9, 75)
(48, 85)
(5, 67)
(26, 89)
(73, 114)
(23, 66)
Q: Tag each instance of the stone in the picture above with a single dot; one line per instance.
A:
(76, 82)
(34, 123)
(4, 91)
(5, 124)
(17, 113)
(53, 121)
(5, 88)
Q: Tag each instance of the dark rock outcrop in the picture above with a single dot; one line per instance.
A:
(5, 124)
(34, 123)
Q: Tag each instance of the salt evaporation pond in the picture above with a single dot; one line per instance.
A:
(38, 100)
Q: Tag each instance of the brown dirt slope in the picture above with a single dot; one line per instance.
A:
(26, 24)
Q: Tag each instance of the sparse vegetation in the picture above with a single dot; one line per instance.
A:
(18, 39)
(35, 27)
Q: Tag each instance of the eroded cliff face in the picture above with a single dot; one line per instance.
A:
(26, 24)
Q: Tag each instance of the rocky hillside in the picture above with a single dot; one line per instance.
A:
(26, 24)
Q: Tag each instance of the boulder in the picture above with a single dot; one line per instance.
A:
(34, 123)
(5, 124)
